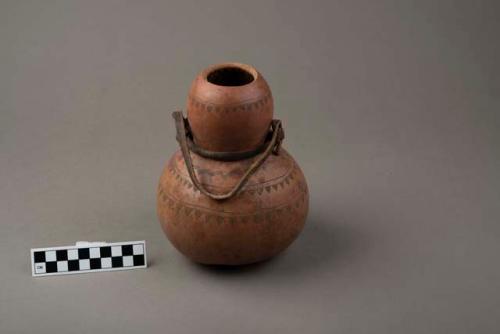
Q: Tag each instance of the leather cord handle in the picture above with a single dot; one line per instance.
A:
(224, 156)
(273, 146)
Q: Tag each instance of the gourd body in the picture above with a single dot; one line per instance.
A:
(258, 223)
(229, 109)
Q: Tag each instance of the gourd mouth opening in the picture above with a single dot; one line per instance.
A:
(230, 76)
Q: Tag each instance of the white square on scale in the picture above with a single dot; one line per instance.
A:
(116, 251)
(128, 261)
(62, 266)
(95, 253)
(40, 268)
(72, 254)
(84, 264)
(138, 250)
(50, 256)
(106, 262)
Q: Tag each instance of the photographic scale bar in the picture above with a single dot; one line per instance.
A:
(86, 257)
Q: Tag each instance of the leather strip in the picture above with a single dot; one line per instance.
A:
(270, 146)
(225, 156)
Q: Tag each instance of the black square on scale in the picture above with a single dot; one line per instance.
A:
(62, 255)
(139, 260)
(106, 251)
(95, 263)
(51, 267)
(73, 265)
(117, 262)
(39, 257)
(127, 250)
(83, 253)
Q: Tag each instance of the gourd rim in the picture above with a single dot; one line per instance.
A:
(230, 75)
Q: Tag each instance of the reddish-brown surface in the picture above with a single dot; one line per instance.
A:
(229, 118)
(261, 221)
(267, 214)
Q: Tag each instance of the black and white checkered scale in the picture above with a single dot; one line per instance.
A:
(92, 258)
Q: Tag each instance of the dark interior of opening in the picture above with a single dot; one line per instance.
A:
(230, 76)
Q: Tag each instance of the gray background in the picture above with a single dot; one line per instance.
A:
(391, 108)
